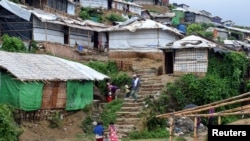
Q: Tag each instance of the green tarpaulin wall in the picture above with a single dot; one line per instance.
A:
(27, 96)
(79, 94)
(22, 95)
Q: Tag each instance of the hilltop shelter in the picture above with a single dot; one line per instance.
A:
(41, 26)
(188, 55)
(140, 35)
(31, 82)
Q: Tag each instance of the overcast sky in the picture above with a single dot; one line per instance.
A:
(236, 10)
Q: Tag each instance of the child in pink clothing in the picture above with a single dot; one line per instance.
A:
(112, 132)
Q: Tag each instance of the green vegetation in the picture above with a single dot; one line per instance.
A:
(225, 75)
(109, 68)
(109, 112)
(12, 44)
(97, 14)
(106, 116)
(88, 13)
(115, 18)
(55, 121)
(9, 130)
(200, 30)
(149, 134)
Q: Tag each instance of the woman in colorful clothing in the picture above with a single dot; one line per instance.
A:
(112, 132)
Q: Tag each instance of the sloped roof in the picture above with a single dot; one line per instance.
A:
(191, 41)
(129, 3)
(134, 24)
(25, 13)
(194, 42)
(40, 67)
(17, 9)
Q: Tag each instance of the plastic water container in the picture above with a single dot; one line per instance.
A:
(80, 48)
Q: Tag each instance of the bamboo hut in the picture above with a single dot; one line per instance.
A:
(37, 83)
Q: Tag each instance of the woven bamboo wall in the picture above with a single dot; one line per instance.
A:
(54, 95)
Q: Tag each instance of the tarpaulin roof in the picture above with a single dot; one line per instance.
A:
(25, 13)
(134, 24)
(39, 67)
(16, 9)
(193, 41)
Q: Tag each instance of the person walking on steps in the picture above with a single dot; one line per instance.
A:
(99, 131)
(135, 86)
(112, 132)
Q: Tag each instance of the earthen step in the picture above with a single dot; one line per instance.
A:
(132, 104)
(150, 78)
(127, 114)
(159, 86)
(124, 131)
(126, 126)
(131, 109)
(122, 121)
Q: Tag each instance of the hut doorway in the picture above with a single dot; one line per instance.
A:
(54, 95)
(169, 63)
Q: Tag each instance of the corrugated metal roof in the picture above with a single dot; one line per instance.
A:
(40, 67)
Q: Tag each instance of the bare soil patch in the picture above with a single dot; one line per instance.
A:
(41, 130)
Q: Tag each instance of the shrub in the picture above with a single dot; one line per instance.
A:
(87, 125)
(55, 120)
(115, 18)
(109, 112)
(9, 130)
(12, 44)
(146, 134)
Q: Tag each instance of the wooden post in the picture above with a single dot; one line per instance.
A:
(219, 120)
(171, 120)
(46, 26)
(195, 128)
(88, 41)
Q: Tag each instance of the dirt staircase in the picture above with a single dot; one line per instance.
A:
(129, 115)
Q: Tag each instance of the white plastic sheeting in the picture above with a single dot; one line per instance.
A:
(194, 42)
(141, 40)
(39, 67)
(85, 70)
(141, 35)
(16, 9)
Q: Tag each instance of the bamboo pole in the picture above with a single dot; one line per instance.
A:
(219, 120)
(218, 114)
(206, 105)
(237, 109)
(203, 109)
(171, 120)
(195, 128)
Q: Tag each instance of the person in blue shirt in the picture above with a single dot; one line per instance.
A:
(99, 131)
(135, 86)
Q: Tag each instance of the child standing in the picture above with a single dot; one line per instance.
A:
(112, 132)
(127, 91)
